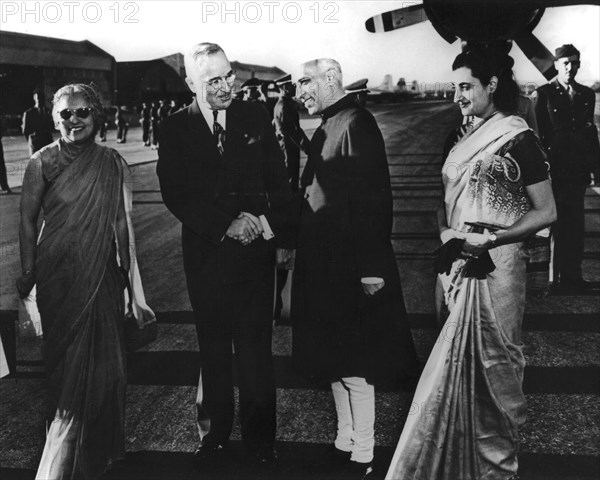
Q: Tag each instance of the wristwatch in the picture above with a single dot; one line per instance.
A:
(493, 238)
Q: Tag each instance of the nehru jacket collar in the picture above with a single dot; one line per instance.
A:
(338, 106)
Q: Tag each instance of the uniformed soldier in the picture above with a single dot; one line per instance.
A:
(252, 89)
(155, 122)
(292, 139)
(145, 120)
(122, 124)
(173, 107)
(164, 110)
(565, 115)
(359, 90)
(37, 124)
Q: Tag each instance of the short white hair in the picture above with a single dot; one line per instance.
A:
(323, 65)
(197, 52)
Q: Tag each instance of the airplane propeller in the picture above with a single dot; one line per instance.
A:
(491, 24)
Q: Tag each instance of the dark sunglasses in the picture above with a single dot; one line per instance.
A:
(78, 112)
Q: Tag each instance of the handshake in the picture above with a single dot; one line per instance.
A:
(245, 228)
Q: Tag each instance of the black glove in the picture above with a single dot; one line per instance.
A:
(479, 267)
(450, 251)
(446, 254)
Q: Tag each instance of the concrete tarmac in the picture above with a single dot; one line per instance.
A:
(561, 439)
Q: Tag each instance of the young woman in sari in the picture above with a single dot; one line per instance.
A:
(78, 185)
(469, 402)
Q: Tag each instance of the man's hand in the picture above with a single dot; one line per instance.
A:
(476, 244)
(245, 228)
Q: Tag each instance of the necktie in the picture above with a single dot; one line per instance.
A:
(218, 132)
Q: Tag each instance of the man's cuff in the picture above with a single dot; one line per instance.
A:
(267, 232)
(371, 280)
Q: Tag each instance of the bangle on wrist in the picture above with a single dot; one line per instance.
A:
(493, 238)
(27, 273)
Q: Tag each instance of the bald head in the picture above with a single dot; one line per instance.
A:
(319, 84)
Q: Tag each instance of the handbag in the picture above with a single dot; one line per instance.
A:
(137, 333)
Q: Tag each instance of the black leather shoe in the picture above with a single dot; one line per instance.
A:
(210, 455)
(338, 457)
(358, 471)
(333, 460)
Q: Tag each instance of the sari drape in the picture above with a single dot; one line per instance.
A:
(80, 299)
(468, 405)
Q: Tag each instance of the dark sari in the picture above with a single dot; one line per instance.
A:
(80, 298)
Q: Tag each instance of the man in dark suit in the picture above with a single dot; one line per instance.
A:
(37, 124)
(222, 175)
(565, 116)
(348, 314)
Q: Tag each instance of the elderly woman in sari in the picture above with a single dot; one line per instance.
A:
(79, 187)
(469, 402)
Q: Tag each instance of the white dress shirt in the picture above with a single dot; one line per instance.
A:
(207, 112)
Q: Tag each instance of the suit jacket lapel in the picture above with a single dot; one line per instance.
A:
(200, 145)
(199, 135)
(233, 132)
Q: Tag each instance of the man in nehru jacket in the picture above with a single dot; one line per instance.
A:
(565, 116)
(348, 315)
(222, 175)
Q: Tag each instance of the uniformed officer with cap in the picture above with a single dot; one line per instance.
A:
(292, 139)
(251, 89)
(359, 90)
(565, 115)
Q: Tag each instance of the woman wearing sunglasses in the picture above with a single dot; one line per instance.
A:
(78, 185)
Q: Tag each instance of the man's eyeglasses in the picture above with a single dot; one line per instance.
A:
(78, 112)
(217, 83)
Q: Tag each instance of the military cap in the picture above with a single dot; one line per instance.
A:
(287, 78)
(357, 87)
(566, 50)
(251, 83)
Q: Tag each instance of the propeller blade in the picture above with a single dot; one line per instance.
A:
(392, 20)
(539, 55)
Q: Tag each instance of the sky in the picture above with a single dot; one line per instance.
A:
(285, 34)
